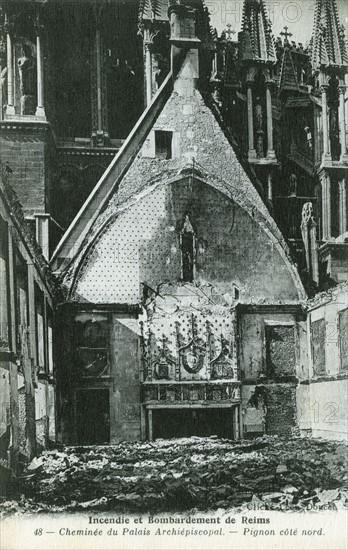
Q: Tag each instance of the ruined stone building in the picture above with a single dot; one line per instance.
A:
(189, 190)
(28, 294)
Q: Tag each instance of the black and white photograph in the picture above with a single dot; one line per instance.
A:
(174, 274)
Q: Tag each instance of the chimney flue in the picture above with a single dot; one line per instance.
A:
(183, 38)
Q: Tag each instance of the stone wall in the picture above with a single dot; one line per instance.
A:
(322, 395)
(142, 245)
(125, 393)
(118, 378)
(41, 419)
(280, 402)
(137, 233)
(5, 413)
(134, 255)
(24, 147)
(22, 421)
(256, 359)
(269, 408)
(322, 409)
(271, 361)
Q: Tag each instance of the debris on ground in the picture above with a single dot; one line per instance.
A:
(185, 474)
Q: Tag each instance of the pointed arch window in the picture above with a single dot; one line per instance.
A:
(187, 244)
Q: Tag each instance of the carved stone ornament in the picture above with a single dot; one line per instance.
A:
(192, 354)
(307, 213)
(163, 365)
(222, 365)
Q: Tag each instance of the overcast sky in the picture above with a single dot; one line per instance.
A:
(296, 14)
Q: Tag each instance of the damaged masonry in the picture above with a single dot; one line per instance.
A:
(176, 273)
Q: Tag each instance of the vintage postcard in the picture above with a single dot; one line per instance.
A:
(174, 274)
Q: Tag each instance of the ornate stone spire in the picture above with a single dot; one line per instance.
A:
(257, 41)
(328, 41)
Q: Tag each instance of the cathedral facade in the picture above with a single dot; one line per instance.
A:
(188, 191)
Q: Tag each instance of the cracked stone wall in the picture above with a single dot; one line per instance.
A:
(136, 236)
(269, 408)
(134, 247)
(142, 245)
(281, 357)
(271, 360)
(141, 249)
(280, 402)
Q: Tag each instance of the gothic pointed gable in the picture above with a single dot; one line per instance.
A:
(288, 75)
(257, 40)
(179, 161)
(328, 41)
(153, 10)
(201, 186)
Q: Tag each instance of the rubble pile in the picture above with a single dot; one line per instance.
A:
(182, 474)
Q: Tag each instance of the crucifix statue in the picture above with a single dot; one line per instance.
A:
(286, 35)
(229, 32)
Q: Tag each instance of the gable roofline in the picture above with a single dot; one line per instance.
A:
(83, 221)
(288, 70)
(78, 235)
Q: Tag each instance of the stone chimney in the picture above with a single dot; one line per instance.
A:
(185, 44)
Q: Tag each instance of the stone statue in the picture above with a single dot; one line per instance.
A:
(258, 115)
(293, 185)
(3, 90)
(160, 68)
(259, 129)
(28, 83)
(259, 144)
(307, 214)
(334, 131)
(309, 237)
(309, 136)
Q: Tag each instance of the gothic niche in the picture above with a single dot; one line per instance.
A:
(334, 132)
(293, 185)
(300, 131)
(260, 117)
(309, 237)
(187, 246)
(27, 81)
